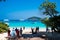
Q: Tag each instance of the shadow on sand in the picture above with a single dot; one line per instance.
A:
(43, 35)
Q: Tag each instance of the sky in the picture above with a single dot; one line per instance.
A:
(23, 9)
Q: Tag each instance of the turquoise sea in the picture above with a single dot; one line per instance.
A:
(26, 24)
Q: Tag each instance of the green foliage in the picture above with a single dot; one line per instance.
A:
(47, 22)
(53, 22)
(3, 27)
(56, 21)
(50, 8)
(49, 5)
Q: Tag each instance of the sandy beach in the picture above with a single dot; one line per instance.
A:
(3, 35)
(28, 36)
(26, 31)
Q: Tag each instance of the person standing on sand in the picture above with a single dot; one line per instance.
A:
(9, 32)
(37, 29)
(23, 28)
(17, 32)
(20, 31)
(13, 33)
(32, 30)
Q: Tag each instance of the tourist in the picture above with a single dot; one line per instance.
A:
(20, 31)
(47, 29)
(37, 29)
(9, 32)
(32, 30)
(15, 29)
(13, 33)
(17, 32)
(23, 28)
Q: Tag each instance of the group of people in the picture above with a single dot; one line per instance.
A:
(36, 30)
(15, 32)
(18, 32)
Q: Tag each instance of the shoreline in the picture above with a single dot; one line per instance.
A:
(28, 28)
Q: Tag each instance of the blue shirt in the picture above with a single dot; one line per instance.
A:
(13, 33)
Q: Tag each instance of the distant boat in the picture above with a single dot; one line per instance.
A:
(21, 19)
(5, 20)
